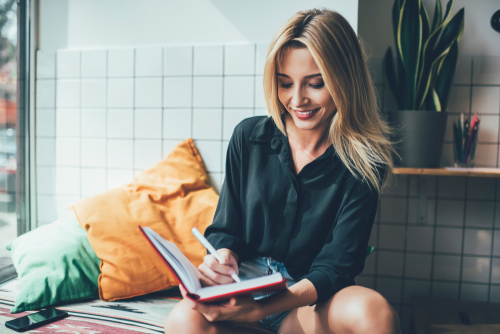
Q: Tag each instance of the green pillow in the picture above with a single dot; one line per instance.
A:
(55, 264)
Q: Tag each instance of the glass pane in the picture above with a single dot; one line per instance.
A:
(8, 119)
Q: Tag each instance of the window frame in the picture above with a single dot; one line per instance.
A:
(25, 173)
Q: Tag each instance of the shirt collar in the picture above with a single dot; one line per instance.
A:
(266, 130)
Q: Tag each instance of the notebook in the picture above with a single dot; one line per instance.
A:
(188, 275)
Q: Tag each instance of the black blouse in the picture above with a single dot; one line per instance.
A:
(316, 222)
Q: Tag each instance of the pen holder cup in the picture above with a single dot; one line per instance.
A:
(464, 165)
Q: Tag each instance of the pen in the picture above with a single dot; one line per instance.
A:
(466, 139)
(211, 249)
(455, 143)
(472, 138)
(460, 139)
(475, 142)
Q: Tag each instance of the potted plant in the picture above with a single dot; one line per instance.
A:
(427, 56)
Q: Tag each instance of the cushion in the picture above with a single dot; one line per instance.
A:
(171, 197)
(55, 264)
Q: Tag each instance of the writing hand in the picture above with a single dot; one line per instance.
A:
(215, 273)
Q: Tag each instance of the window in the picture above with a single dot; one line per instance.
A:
(14, 126)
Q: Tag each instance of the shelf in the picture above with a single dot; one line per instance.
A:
(450, 171)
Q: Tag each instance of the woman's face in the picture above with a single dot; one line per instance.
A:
(302, 91)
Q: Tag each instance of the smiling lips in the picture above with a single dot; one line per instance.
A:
(305, 114)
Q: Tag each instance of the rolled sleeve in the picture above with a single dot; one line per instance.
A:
(342, 258)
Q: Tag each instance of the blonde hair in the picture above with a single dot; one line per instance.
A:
(358, 133)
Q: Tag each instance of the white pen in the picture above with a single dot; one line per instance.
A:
(211, 249)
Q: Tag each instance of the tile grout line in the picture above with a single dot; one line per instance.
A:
(222, 115)
(254, 78)
(492, 243)
(463, 240)
(375, 270)
(375, 281)
(192, 90)
(106, 140)
(162, 126)
(433, 252)
(134, 90)
(405, 245)
(81, 122)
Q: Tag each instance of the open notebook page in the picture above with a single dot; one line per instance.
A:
(186, 271)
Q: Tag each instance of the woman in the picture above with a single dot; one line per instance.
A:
(301, 192)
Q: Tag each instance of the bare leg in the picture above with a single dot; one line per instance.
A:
(183, 319)
(354, 309)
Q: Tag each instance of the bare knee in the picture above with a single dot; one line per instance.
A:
(367, 311)
(183, 319)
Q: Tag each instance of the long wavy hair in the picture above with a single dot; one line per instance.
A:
(360, 136)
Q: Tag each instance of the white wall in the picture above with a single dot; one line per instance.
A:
(77, 24)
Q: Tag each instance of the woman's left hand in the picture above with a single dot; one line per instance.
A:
(241, 308)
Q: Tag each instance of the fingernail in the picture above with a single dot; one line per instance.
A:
(231, 271)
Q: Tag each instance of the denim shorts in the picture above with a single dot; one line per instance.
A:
(262, 266)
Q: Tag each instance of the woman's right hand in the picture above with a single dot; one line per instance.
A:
(215, 273)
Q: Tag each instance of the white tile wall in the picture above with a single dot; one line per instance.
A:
(95, 181)
(120, 63)
(94, 123)
(120, 123)
(120, 93)
(93, 152)
(46, 65)
(208, 60)
(68, 123)
(148, 123)
(68, 93)
(93, 93)
(178, 60)
(177, 92)
(207, 92)
(46, 93)
(102, 116)
(239, 59)
(94, 63)
(68, 64)
(148, 62)
(148, 92)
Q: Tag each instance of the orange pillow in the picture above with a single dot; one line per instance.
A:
(170, 197)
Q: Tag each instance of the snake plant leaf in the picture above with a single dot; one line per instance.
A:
(435, 100)
(396, 11)
(445, 74)
(452, 30)
(396, 14)
(425, 23)
(447, 13)
(389, 73)
(409, 43)
(438, 16)
(427, 63)
(425, 35)
(428, 85)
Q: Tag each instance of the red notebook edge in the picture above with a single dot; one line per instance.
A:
(276, 286)
(281, 285)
